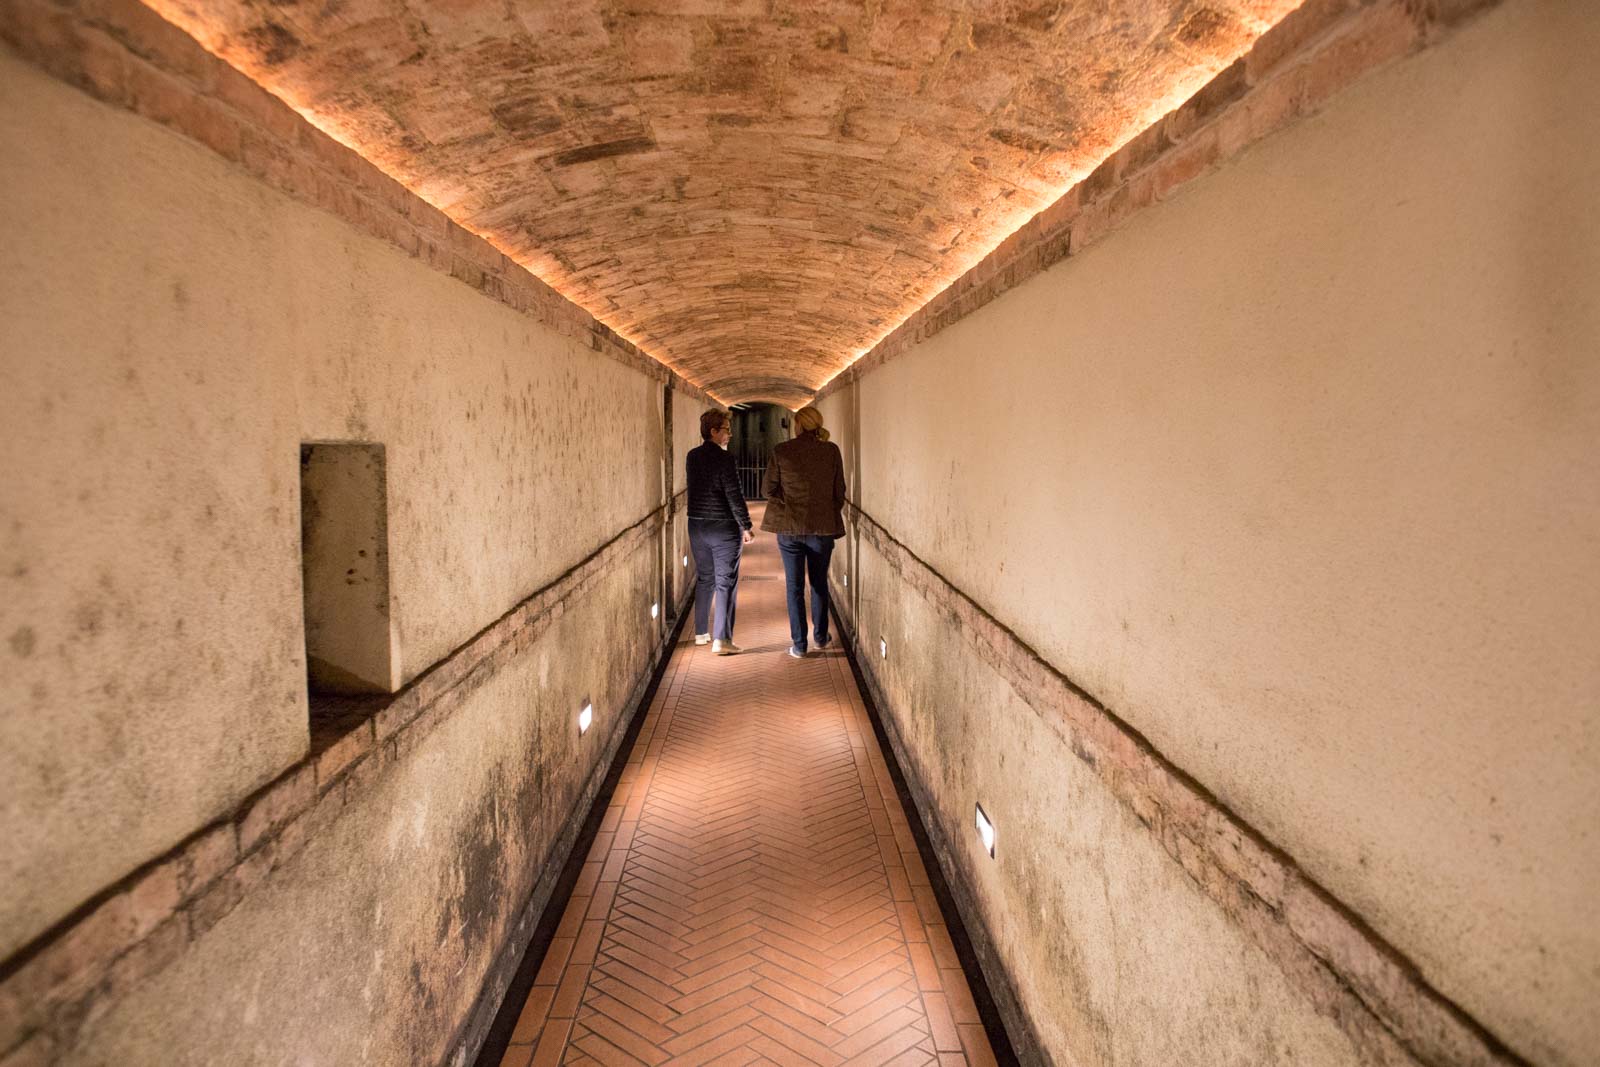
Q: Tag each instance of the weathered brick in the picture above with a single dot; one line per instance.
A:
(102, 65)
(161, 98)
(1186, 162)
(1246, 859)
(1443, 14)
(39, 1050)
(21, 998)
(1380, 35)
(148, 957)
(207, 857)
(69, 966)
(210, 907)
(1272, 107)
(216, 128)
(253, 869)
(154, 898)
(279, 802)
(343, 752)
(258, 107)
(1290, 39)
(1227, 88)
(155, 40)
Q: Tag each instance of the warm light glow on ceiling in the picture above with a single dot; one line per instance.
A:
(735, 231)
(1016, 221)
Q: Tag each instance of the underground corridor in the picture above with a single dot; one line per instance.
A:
(1210, 398)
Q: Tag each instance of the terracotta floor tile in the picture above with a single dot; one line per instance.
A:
(649, 1007)
(517, 1056)
(714, 1049)
(572, 918)
(625, 1039)
(754, 895)
(711, 1028)
(898, 978)
(897, 1028)
(962, 1009)
(552, 1043)
(867, 1015)
(946, 1038)
(975, 1043)
(637, 1021)
(569, 995)
(587, 942)
(927, 971)
(912, 1057)
(534, 1010)
(555, 961)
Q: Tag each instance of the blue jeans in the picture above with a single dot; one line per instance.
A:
(716, 547)
(802, 555)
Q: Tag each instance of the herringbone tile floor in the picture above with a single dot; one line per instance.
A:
(754, 894)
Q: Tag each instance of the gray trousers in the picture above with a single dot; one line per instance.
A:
(716, 547)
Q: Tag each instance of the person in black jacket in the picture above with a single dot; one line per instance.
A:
(719, 527)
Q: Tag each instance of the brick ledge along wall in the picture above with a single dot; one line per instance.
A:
(198, 282)
(1231, 531)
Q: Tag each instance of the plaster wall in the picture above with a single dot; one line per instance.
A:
(1115, 955)
(1318, 518)
(371, 944)
(173, 331)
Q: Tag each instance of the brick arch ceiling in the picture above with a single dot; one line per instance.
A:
(752, 191)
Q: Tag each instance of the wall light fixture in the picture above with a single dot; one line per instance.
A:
(985, 830)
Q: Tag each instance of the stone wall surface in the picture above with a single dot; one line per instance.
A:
(1307, 529)
(1115, 955)
(371, 944)
(176, 327)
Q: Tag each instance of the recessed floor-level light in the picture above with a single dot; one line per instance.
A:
(685, 561)
(847, 581)
(985, 830)
(883, 648)
(585, 717)
(655, 609)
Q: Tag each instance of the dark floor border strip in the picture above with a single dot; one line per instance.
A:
(994, 1021)
(513, 993)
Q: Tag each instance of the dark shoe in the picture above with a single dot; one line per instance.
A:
(823, 642)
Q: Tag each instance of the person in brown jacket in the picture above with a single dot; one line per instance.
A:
(804, 487)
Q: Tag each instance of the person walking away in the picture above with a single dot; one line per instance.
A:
(719, 528)
(804, 487)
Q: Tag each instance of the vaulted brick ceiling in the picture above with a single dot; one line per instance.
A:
(753, 191)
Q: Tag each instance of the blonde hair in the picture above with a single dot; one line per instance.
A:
(809, 420)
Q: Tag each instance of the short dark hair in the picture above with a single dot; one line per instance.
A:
(711, 422)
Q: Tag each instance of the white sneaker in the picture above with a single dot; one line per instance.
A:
(725, 648)
(795, 652)
(702, 639)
